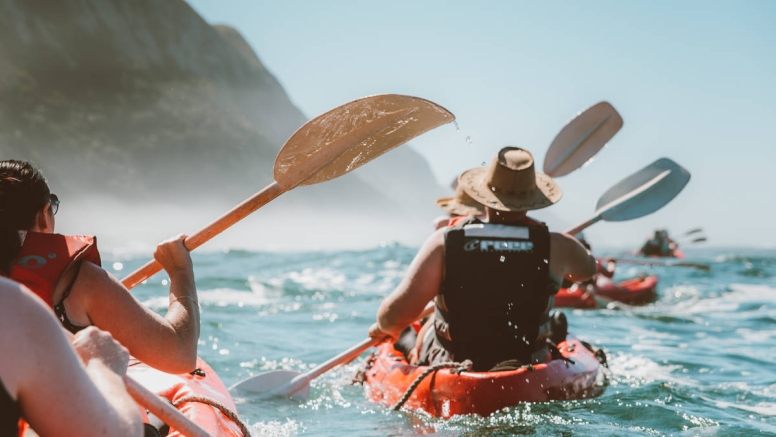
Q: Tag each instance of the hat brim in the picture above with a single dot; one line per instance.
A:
(454, 206)
(547, 192)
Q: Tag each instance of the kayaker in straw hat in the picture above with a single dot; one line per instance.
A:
(65, 272)
(461, 204)
(494, 279)
(43, 381)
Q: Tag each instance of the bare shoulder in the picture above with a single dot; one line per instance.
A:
(562, 239)
(93, 275)
(434, 244)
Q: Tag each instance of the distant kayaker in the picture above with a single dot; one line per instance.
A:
(494, 279)
(461, 204)
(44, 382)
(659, 245)
(65, 272)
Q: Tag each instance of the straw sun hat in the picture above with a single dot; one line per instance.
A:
(461, 203)
(510, 183)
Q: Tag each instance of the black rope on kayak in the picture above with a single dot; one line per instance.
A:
(598, 353)
(232, 415)
(457, 368)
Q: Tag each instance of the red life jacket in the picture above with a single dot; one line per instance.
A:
(44, 258)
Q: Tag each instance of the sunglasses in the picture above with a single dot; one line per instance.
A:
(54, 202)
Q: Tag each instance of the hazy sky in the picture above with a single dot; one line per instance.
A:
(695, 81)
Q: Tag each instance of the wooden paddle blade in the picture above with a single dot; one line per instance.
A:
(578, 141)
(643, 192)
(268, 382)
(353, 134)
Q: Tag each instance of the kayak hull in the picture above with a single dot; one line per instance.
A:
(204, 382)
(446, 394)
(636, 291)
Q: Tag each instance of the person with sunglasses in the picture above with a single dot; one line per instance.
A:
(65, 272)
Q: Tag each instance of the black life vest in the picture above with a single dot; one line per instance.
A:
(496, 294)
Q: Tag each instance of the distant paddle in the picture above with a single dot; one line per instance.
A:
(662, 263)
(692, 231)
(640, 194)
(326, 148)
(578, 141)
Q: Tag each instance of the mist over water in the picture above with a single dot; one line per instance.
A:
(128, 229)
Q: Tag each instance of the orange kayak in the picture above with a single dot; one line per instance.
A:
(446, 394)
(636, 291)
(204, 382)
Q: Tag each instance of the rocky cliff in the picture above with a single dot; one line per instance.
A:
(144, 101)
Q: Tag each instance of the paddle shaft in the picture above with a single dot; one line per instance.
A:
(584, 225)
(304, 379)
(657, 262)
(222, 223)
(347, 356)
(163, 410)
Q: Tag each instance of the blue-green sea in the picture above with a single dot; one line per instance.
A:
(699, 361)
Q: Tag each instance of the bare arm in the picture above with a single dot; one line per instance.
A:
(419, 286)
(46, 375)
(167, 343)
(570, 259)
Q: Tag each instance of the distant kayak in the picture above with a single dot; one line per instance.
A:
(578, 375)
(636, 291)
(204, 384)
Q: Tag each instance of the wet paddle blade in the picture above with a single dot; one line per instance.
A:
(271, 383)
(586, 134)
(643, 192)
(353, 134)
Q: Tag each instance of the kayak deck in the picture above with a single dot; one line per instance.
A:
(445, 393)
(203, 382)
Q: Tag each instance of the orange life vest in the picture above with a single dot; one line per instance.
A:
(44, 258)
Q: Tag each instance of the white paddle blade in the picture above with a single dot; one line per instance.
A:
(269, 382)
(578, 141)
(353, 134)
(643, 192)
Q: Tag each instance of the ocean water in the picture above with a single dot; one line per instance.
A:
(699, 361)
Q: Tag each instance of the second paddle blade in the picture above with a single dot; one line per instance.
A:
(581, 139)
(269, 382)
(643, 192)
(353, 134)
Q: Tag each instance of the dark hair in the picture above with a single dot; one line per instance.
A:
(23, 192)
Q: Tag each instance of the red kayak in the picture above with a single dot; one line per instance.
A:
(636, 291)
(446, 394)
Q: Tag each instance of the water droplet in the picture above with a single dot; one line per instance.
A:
(118, 266)
(503, 258)
(455, 124)
(509, 323)
(482, 163)
(469, 140)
